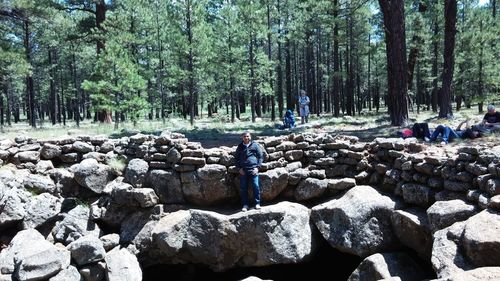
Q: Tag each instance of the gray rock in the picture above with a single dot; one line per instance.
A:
(272, 183)
(283, 235)
(477, 274)
(418, 194)
(121, 265)
(481, 239)
(94, 272)
(28, 156)
(12, 202)
(412, 228)
(358, 223)
(447, 258)
(136, 171)
(43, 264)
(68, 274)
(167, 185)
(87, 249)
(76, 223)
(41, 209)
(39, 184)
(445, 213)
(310, 188)
(110, 241)
(44, 166)
(82, 147)
(388, 265)
(92, 175)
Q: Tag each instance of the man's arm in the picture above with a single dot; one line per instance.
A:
(260, 155)
(459, 127)
(237, 158)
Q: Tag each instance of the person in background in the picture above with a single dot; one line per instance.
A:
(491, 119)
(304, 107)
(249, 158)
(448, 134)
(288, 120)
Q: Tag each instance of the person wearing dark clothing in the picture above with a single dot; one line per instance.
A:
(288, 120)
(491, 119)
(448, 134)
(249, 158)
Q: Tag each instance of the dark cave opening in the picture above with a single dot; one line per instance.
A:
(327, 264)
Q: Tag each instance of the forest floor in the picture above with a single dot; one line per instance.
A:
(219, 131)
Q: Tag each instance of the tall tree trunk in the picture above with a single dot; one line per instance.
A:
(279, 71)
(311, 85)
(336, 63)
(393, 12)
(480, 86)
(232, 98)
(435, 51)
(450, 15)
(319, 100)
(8, 99)
(350, 65)
(252, 77)
(269, 56)
(76, 101)
(342, 84)
(2, 111)
(417, 41)
(328, 82)
(369, 88)
(100, 17)
(61, 97)
(418, 82)
(190, 64)
(159, 71)
(290, 101)
(30, 92)
(52, 104)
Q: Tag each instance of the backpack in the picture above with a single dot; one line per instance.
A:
(421, 130)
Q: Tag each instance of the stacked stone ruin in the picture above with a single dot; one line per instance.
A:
(69, 211)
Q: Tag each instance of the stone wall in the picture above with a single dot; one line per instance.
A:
(136, 187)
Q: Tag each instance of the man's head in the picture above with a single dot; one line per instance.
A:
(491, 108)
(246, 137)
(472, 134)
(302, 92)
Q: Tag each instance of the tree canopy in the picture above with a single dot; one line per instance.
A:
(128, 60)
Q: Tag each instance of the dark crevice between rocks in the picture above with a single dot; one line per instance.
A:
(327, 264)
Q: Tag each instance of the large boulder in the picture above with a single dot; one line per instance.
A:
(481, 239)
(276, 234)
(136, 171)
(357, 223)
(121, 265)
(386, 266)
(167, 185)
(209, 185)
(92, 175)
(75, 224)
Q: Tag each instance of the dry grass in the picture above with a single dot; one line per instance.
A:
(219, 130)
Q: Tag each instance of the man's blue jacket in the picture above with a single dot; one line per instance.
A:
(249, 157)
